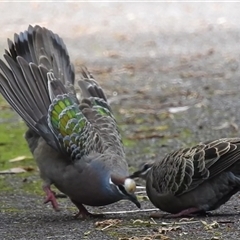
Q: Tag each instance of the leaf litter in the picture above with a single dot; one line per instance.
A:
(20, 158)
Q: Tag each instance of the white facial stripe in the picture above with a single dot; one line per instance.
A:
(117, 187)
(110, 181)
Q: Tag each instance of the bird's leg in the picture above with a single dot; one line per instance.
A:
(84, 213)
(50, 197)
(190, 212)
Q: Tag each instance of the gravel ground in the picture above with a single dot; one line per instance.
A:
(151, 58)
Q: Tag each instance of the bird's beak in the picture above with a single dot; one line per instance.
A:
(133, 198)
(135, 174)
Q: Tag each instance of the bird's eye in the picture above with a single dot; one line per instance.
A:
(146, 167)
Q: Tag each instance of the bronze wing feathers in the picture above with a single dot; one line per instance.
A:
(185, 169)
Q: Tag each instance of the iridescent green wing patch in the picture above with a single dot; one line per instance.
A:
(69, 125)
(102, 107)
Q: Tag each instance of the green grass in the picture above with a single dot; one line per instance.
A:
(12, 141)
(12, 145)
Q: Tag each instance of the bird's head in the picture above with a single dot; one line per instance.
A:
(125, 187)
(143, 171)
(110, 181)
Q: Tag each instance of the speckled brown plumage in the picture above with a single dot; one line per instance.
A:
(196, 179)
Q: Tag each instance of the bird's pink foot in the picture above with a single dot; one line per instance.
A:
(84, 213)
(190, 212)
(51, 198)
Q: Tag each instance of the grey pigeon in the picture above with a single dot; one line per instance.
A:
(194, 180)
(76, 144)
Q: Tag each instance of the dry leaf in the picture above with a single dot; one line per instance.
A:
(210, 226)
(139, 221)
(3, 107)
(13, 170)
(28, 168)
(146, 222)
(20, 158)
(164, 230)
(107, 223)
(222, 126)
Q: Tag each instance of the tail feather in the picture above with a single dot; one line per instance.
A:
(55, 87)
(22, 45)
(21, 88)
(53, 48)
(10, 90)
(41, 100)
(89, 87)
(39, 72)
(24, 79)
(43, 47)
(23, 82)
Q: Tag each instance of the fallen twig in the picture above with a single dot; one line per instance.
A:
(131, 211)
(110, 225)
(179, 223)
(140, 192)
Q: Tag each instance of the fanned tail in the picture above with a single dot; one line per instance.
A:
(24, 79)
(43, 47)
